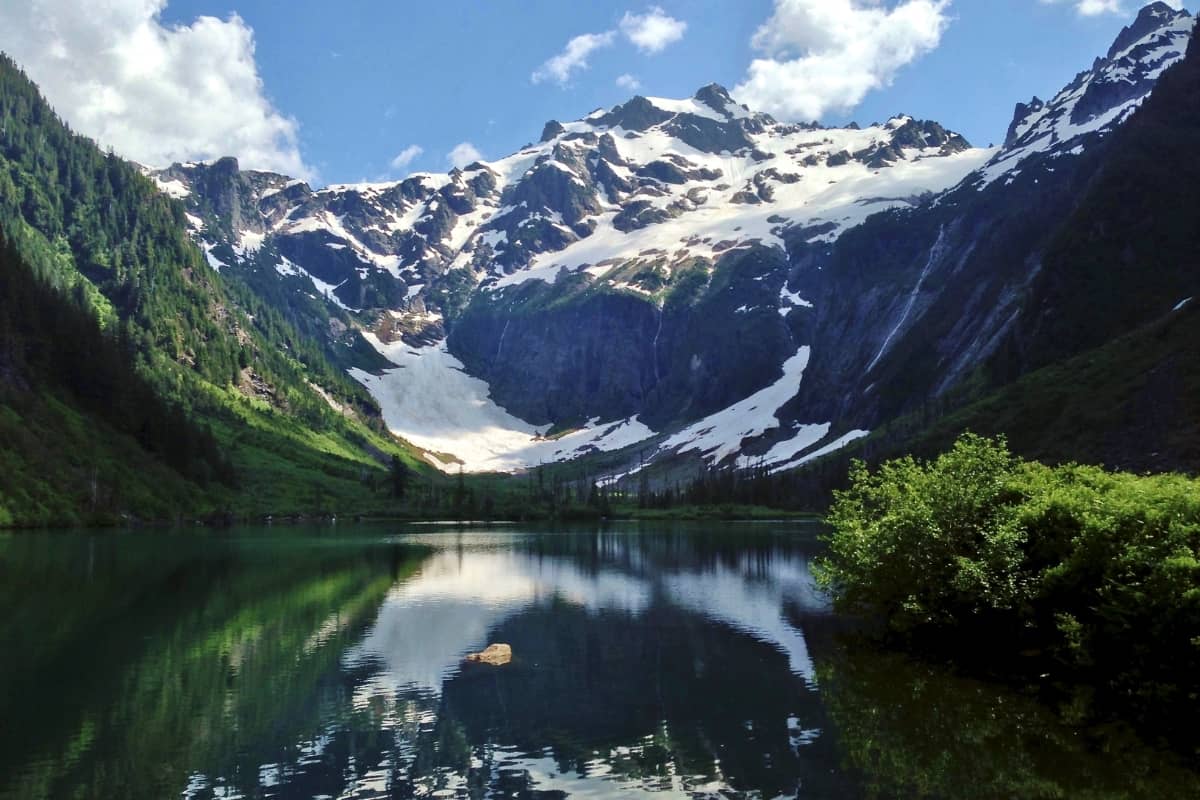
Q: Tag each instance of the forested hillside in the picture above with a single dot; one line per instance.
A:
(126, 349)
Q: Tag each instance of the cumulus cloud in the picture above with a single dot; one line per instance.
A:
(653, 31)
(1092, 8)
(573, 57)
(823, 56)
(463, 154)
(629, 82)
(407, 156)
(153, 92)
(650, 32)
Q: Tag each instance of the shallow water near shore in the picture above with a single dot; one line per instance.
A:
(680, 660)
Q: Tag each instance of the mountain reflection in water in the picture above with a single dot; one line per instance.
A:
(676, 661)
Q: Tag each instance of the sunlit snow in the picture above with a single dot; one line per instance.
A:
(432, 402)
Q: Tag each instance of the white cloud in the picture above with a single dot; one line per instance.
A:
(407, 156)
(649, 32)
(1092, 8)
(155, 93)
(573, 57)
(653, 31)
(463, 154)
(629, 82)
(826, 55)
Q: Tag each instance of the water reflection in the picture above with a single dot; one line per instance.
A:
(674, 662)
(476, 581)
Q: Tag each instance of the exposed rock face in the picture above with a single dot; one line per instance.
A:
(1023, 112)
(569, 352)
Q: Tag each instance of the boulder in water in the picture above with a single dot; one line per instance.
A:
(495, 654)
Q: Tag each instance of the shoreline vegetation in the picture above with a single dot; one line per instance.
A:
(617, 513)
(1080, 582)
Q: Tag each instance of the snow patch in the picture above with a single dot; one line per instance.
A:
(806, 437)
(431, 401)
(212, 260)
(832, 447)
(173, 188)
(720, 435)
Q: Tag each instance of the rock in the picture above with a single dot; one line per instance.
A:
(1149, 19)
(716, 97)
(495, 654)
(639, 114)
(639, 214)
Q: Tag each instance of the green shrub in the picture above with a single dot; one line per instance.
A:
(935, 543)
(1100, 570)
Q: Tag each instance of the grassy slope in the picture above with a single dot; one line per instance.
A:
(63, 466)
(1134, 402)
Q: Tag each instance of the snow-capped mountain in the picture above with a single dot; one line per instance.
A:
(626, 197)
(689, 178)
(1100, 98)
(958, 293)
(683, 279)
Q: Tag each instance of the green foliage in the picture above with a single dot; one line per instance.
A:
(107, 306)
(399, 476)
(930, 543)
(55, 344)
(124, 237)
(1100, 570)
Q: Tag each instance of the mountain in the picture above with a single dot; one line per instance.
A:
(1057, 305)
(936, 301)
(563, 299)
(689, 282)
(1099, 99)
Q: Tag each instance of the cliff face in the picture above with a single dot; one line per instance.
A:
(568, 352)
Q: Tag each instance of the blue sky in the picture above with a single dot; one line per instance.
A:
(351, 85)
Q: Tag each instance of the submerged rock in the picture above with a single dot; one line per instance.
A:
(495, 654)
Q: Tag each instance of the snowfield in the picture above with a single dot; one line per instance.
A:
(808, 195)
(432, 402)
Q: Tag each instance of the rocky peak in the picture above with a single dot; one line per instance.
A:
(920, 134)
(230, 195)
(1020, 114)
(638, 114)
(1149, 19)
(716, 97)
(1101, 98)
(652, 183)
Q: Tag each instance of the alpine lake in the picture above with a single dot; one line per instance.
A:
(647, 659)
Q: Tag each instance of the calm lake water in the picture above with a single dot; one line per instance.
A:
(672, 661)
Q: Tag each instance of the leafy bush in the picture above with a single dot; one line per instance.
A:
(1100, 570)
(935, 543)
